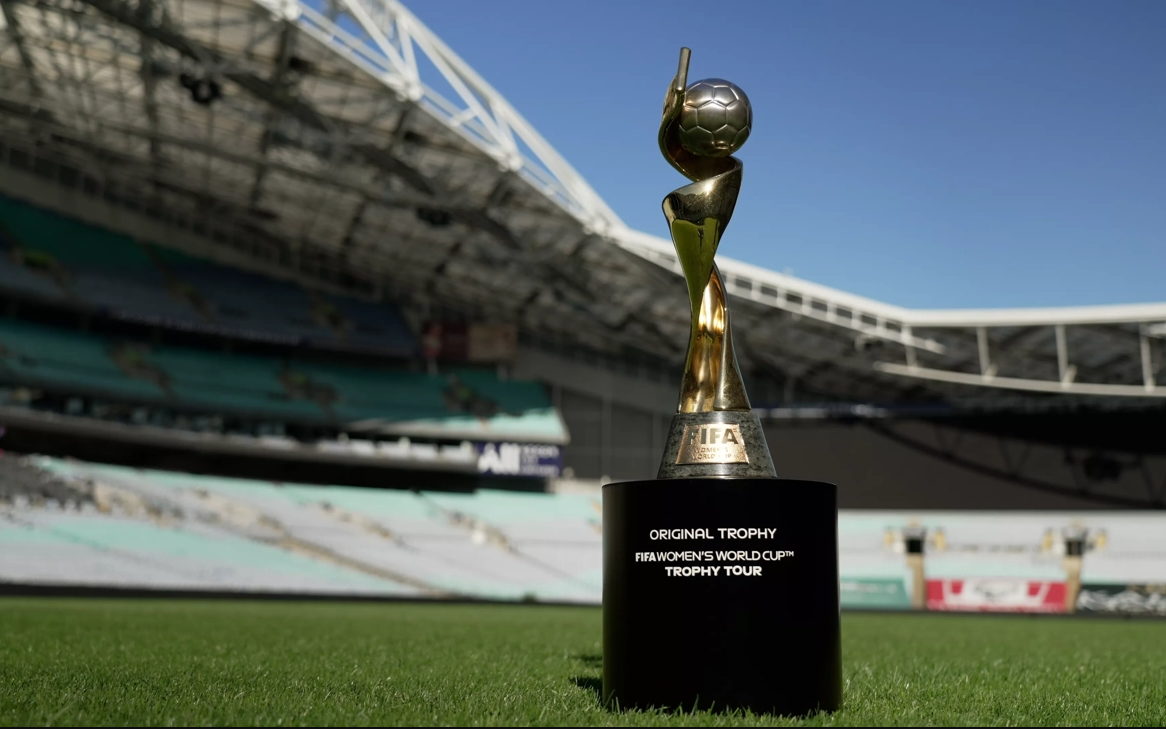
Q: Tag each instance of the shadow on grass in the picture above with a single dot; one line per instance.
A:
(592, 684)
(595, 686)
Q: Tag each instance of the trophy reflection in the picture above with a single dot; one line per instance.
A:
(714, 432)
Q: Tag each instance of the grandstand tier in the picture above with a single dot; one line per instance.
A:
(298, 391)
(72, 523)
(61, 259)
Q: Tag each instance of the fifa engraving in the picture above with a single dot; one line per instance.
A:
(713, 443)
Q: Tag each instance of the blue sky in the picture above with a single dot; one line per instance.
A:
(927, 154)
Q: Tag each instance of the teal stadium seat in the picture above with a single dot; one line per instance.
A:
(240, 384)
(235, 383)
(71, 242)
(117, 274)
(99, 549)
(381, 393)
(104, 269)
(426, 544)
(18, 278)
(68, 360)
(526, 412)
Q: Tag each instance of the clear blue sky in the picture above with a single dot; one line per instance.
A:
(927, 154)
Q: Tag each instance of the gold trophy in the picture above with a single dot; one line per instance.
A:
(715, 432)
(720, 581)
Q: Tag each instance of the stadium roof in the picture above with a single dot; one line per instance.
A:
(342, 140)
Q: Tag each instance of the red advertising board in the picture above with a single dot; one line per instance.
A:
(1008, 595)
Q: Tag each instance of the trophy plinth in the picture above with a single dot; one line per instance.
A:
(754, 626)
(720, 581)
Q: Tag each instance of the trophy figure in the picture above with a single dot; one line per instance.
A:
(720, 580)
(715, 432)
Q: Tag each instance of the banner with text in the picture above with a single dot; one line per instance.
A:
(520, 459)
(996, 595)
(886, 594)
(1129, 599)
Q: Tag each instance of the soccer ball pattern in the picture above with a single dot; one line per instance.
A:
(716, 118)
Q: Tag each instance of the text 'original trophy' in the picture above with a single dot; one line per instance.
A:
(720, 581)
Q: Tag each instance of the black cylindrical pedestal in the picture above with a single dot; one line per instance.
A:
(721, 593)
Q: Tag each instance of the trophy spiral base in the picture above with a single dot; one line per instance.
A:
(721, 594)
(716, 444)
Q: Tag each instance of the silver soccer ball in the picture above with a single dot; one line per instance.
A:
(716, 118)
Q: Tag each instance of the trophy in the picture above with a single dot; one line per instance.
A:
(714, 432)
(720, 580)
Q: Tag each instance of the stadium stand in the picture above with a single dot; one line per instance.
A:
(295, 391)
(987, 561)
(53, 358)
(52, 257)
(388, 542)
(76, 523)
(25, 274)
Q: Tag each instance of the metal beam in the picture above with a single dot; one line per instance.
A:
(468, 216)
(1147, 363)
(278, 80)
(1017, 383)
(149, 82)
(987, 369)
(261, 89)
(391, 38)
(395, 142)
(14, 30)
(1062, 354)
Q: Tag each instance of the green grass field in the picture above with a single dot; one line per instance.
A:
(160, 662)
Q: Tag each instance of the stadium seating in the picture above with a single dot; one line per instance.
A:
(219, 382)
(373, 325)
(217, 533)
(369, 393)
(70, 361)
(73, 362)
(82, 264)
(90, 549)
(100, 268)
(20, 276)
(87, 265)
(405, 538)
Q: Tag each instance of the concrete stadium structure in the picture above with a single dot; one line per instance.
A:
(342, 145)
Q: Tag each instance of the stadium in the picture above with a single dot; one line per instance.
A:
(298, 309)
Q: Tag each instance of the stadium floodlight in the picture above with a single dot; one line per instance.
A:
(708, 567)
